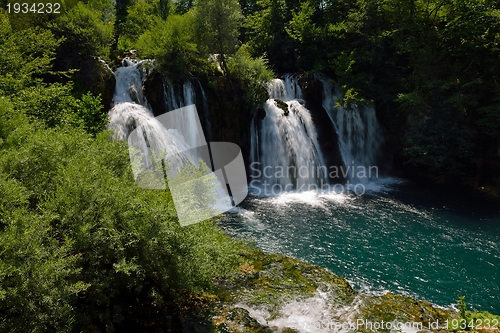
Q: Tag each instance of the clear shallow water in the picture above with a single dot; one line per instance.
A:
(412, 241)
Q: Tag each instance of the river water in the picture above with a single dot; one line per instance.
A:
(429, 244)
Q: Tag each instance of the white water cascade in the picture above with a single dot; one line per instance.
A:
(286, 147)
(130, 110)
(359, 136)
(186, 97)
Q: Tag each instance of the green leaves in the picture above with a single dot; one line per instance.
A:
(172, 44)
(253, 72)
(438, 144)
(302, 26)
(89, 112)
(53, 104)
(218, 24)
(78, 238)
(25, 55)
(86, 30)
(141, 17)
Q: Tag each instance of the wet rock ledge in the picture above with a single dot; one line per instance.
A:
(276, 293)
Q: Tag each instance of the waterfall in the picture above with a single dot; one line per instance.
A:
(284, 146)
(129, 85)
(359, 135)
(130, 111)
(174, 99)
(208, 125)
(187, 96)
(187, 122)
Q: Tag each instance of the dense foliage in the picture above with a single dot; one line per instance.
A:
(80, 241)
(431, 67)
(81, 246)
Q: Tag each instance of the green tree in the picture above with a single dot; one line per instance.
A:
(268, 36)
(86, 33)
(25, 56)
(121, 13)
(218, 27)
(141, 17)
(172, 44)
(183, 6)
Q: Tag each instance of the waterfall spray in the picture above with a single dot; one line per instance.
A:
(285, 145)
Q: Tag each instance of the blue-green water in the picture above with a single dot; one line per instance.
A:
(404, 239)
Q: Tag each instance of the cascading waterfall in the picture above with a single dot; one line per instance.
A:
(358, 134)
(187, 121)
(129, 84)
(130, 110)
(184, 98)
(285, 147)
(174, 100)
(288, 143)
(189, 125)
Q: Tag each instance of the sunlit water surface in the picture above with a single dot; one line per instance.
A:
(397, 237)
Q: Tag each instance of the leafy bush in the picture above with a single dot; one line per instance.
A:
(55, 105)
(472, 320)
(80, 243)
(253, 72)
(25, 55)
(89, 113)
(171, 43)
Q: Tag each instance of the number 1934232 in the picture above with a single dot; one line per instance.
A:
(34, 8)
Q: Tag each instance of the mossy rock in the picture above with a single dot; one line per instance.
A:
(271, 280)
(268, 281)
(391, 307)
(283, 106)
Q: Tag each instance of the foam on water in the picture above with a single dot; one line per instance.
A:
(318, 197)
(322, 313)
(309, 197)
(317, 314)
